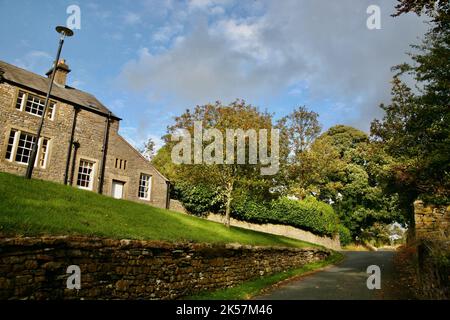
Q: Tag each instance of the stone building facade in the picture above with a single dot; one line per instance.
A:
(80, 144)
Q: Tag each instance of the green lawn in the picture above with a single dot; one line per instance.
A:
(35, 207)
(251, 288)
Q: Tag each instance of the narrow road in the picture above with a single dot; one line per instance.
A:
(345, 281)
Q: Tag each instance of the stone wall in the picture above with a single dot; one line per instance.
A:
(177, 206)
(431, 221)
(432, 240)
(35, 268)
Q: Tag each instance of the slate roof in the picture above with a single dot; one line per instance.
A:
(39, 83)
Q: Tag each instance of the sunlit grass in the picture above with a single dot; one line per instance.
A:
(36, 207)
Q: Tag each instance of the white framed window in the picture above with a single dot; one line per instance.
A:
(145, 185)
(20, 145)
(43, 155)
(34, 104)
(24, 147)
(11, 145)
(85, 174)
(20, 100)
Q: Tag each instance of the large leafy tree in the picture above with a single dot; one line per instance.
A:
(229, 179)
(298, 131)
(163, 162)
(300, 128)
(343, 169)
(415, 130)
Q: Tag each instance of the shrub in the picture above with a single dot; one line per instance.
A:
(250, 210)
(308, 214)
(345, 235)
(199, 199)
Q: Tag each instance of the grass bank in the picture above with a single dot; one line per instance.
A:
(36, 207)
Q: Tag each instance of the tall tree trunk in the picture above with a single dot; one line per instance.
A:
(228, 204)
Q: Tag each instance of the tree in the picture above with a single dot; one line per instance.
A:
(148, 149)
(321, 168)
(163, 162)
(342, 167)
(415, 130)
(230, 178)
(301, 128)
(315, 170)
(298, 130)
(433, 8)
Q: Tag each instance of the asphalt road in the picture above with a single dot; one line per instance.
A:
(345, 281)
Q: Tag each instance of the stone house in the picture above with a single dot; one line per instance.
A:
(80, 144)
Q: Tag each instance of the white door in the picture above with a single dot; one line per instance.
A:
(117, 189)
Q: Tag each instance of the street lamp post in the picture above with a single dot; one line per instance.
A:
(64, 32)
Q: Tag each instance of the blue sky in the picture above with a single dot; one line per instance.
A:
(148, 60)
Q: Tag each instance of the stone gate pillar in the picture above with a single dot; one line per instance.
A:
(432, 221)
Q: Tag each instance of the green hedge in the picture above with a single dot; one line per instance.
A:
(308, 214)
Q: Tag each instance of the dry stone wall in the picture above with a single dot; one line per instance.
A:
(35, 268)
(432, 221)
(432, 238)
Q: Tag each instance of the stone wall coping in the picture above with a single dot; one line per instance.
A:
(97, 242)
(420, 204)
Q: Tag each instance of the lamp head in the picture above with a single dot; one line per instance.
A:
(65, 32)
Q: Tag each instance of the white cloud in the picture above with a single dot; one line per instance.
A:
(200, 4)
(323, 44)
(217, 10)
(213, 7)
(167, 32)
(78, 84)
(117, 104)
(158, 9)
(36, 61)
(244, 36)
(132, 18)
(137, 137)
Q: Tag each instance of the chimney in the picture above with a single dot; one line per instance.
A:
(62, 69)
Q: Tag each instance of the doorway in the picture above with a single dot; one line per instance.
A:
(117, 189)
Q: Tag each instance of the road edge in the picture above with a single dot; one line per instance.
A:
(274, 286)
